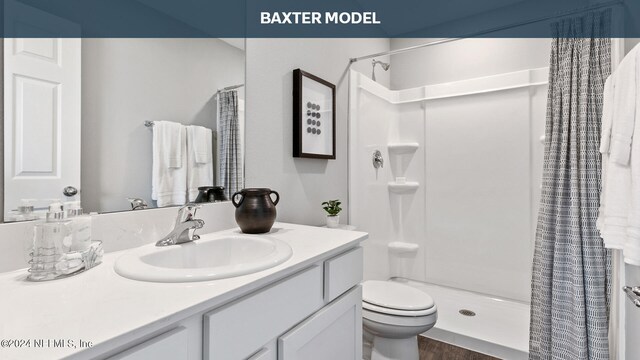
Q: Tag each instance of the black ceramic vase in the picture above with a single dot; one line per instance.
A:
(255, 210)
(210, 194)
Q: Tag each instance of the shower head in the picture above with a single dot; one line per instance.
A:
(385, 66)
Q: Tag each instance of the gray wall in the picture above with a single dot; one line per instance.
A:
(303, 183)
(128, 81)
(630, 43)
(464, 59)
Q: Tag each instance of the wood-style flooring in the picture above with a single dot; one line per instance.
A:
(436, 350)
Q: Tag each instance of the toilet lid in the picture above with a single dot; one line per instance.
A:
(394, 295)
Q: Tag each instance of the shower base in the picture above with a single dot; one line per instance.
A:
(498, 328)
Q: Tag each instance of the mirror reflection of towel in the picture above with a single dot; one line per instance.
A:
(199, 159)
(169, 173)
(200, 139)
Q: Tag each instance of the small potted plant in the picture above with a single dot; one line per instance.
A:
(332, 207)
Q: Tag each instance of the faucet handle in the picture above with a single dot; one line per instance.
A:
(188, 211)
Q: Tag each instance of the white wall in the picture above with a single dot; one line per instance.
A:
(303, 183)
(374, 123)
(128, 81)
(464, 59)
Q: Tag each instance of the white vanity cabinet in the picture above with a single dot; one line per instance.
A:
(315, 313)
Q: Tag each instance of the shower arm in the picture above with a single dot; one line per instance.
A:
(373, 70)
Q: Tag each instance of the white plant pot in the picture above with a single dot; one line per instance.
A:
(333, 221)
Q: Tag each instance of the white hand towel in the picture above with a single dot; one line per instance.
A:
(201, 139)
(199, 159)
(169, 176)
(169, 136)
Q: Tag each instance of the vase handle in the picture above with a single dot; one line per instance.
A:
(277, 197)
(233, 199)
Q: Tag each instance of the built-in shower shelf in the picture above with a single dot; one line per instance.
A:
(403, 188)
(403, 148)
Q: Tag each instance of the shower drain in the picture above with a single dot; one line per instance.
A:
(467, 312)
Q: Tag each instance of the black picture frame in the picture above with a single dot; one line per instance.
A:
(314, 116)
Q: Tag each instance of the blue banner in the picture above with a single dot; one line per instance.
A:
(305, 18)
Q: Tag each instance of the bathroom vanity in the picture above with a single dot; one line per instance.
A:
(290, 311)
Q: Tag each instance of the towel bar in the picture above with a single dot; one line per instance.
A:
(633, 293)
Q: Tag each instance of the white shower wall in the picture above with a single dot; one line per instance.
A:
(481, 184)
(478, 166)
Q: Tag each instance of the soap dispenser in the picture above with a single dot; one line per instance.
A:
(80, 226)
(52, 239)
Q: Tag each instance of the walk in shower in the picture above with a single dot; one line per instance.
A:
(462, 141)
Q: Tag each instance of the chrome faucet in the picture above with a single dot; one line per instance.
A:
(184, 228)
(137, 204)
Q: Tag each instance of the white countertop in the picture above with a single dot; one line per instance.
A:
(109, 310)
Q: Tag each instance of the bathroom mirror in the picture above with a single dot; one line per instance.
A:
(101, 121)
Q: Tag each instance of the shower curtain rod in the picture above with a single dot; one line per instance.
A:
(484, 32)
(232, 87)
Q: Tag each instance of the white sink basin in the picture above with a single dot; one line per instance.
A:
(212, 257)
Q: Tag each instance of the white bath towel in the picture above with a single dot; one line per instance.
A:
(169, 170)
(199, 159)
(619, 218)
(631, 250)
(616, 178)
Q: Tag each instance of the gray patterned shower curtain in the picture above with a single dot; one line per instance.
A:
(570, 284)
(231, 167)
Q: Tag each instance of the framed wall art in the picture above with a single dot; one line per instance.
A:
(314, 116)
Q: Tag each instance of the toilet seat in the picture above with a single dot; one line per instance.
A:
(396, 312)
(396, 299)
(400, 321)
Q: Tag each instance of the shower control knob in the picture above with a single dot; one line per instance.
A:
(70, 191)
(377, 160)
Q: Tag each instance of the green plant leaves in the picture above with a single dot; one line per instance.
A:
(332, 207)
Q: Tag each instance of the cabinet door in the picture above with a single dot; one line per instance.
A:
(334, 332)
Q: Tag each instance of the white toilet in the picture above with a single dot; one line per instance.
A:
(393, 314)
